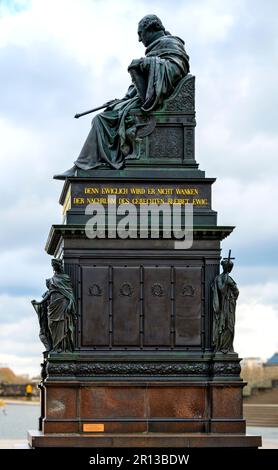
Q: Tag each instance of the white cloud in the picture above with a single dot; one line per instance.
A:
(14, 309)
(257, 320)
(26, 273)
(207, 23)
(20, 347)
(254, 274)
(21, 365)
(20, 338)
(256, 330)
(247, 204)
(85, 26)
(261, 293)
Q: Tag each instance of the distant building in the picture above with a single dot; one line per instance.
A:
(9, 377)
(252, 361)
(252, 372)
(273, 360)
(12, 385)
(271, 370)
(259, 374)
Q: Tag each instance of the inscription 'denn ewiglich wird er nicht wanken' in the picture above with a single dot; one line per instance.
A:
(82, 194)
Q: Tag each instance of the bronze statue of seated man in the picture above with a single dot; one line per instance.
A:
(112, 135)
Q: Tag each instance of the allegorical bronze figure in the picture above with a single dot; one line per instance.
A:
(41, 309)
(113, 132)
(225, 294)
(56, 311)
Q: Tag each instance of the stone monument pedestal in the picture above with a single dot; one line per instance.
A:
(143, 371)
(182, 440)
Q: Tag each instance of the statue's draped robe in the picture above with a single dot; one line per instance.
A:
(112, 134)
(42, 312)
(61, 312)
(225, 294)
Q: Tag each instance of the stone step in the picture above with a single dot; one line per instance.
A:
(261, 415)
(268, 396)
(263, 424)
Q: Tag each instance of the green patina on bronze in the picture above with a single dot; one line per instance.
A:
(111, 139)
(225, 294)
(56, 311)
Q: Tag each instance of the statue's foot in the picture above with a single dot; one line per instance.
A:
(71, 172)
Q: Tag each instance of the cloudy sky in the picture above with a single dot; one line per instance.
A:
(59, 57)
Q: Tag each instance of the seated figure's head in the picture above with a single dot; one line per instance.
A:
(148, 27)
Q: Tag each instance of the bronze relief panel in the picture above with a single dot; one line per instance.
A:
(95, 306)
(188, 306)
(126, 306)
(157, 306)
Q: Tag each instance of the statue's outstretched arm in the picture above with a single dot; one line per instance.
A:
(45, 296)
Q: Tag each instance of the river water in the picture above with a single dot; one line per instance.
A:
(17, 419)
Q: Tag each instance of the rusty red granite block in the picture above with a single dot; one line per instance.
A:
(226, 402)
(61, 402)
(112, 402)
(177, 402)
